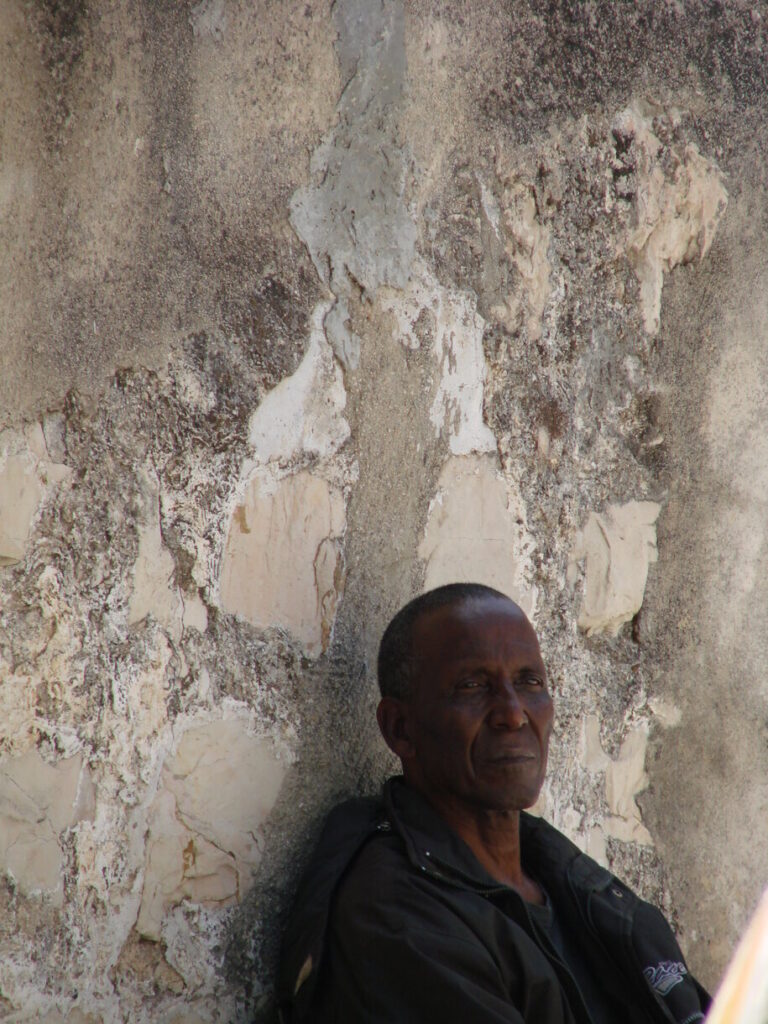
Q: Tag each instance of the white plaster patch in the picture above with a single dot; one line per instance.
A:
(595, 846)
(282, 559)
(476, 531)
(449, 319)
(195, 614)
(617, 547)
(594, 757)
(26, 474)
(217, 791)
(154, 592)
(38, 801)
(625, 779)
(677, 212)
(303, 413)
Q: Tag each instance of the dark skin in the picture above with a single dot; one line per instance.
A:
(474, 732)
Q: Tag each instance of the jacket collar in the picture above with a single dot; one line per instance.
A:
(434, 848)
(431, 844)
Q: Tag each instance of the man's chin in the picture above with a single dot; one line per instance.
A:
(505, 802)
(512, 790)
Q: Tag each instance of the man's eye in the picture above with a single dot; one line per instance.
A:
(471, 683)
(536, 681)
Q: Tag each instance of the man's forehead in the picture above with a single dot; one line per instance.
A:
(467, 623)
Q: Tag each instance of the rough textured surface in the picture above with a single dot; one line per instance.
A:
(305, 306)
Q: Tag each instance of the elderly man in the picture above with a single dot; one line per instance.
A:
(443, 902)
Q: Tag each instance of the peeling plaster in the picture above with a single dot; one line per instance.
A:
(448, 321)
(625, 779)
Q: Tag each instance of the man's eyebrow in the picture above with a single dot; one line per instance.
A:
(483, 659)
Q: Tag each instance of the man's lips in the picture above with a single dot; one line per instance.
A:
(511, 757)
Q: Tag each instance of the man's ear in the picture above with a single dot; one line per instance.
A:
(393, 716)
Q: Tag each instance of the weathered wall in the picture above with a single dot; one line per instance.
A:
(305, 307)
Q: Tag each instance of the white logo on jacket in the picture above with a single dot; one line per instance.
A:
(665, 975)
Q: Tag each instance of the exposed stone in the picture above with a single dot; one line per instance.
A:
(282, 559)
(677, 210)
(195, 614)
(617, 547)
(38, 801)
(218, 790)
(20, 494)
(74, 1016)
(476, 531)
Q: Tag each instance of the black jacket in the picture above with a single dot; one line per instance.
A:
(395, 921)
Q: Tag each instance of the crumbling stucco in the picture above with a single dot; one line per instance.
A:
(447, 323)
(306, 307)
(354, 220)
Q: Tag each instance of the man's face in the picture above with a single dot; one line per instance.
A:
(480, 716)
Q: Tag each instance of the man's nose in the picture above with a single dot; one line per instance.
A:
(508, 711)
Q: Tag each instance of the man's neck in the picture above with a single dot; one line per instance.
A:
(494, 839)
